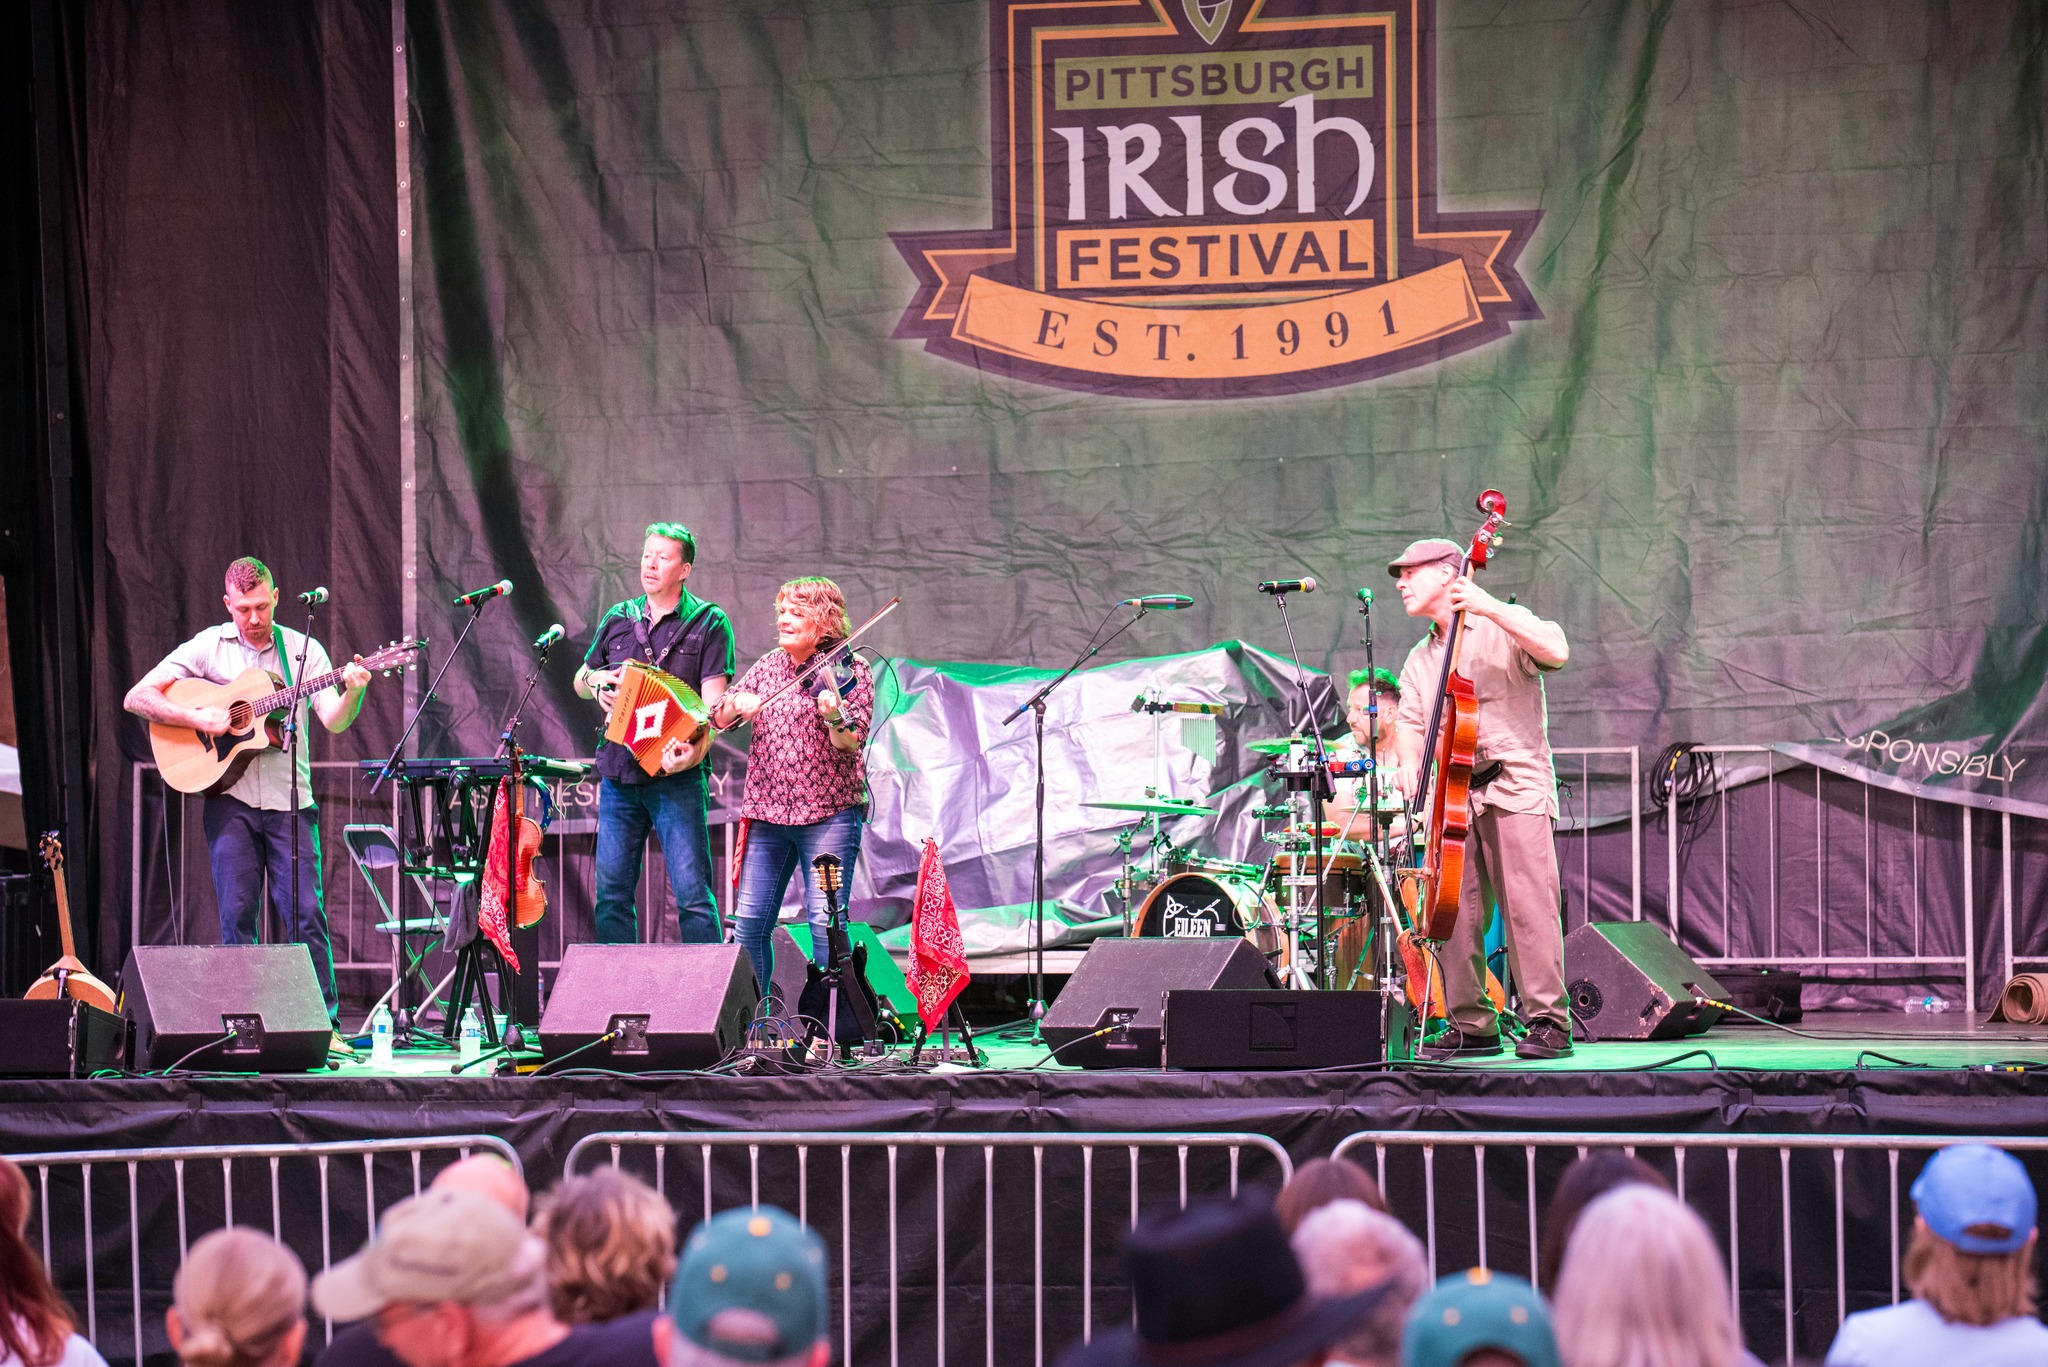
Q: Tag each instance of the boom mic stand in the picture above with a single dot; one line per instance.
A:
(508, 748)
(294, 738)
(476, 610)
(1320, 791)
(1036, 704)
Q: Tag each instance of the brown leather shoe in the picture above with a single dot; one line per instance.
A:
(1457, 1044)
(1546, 1039)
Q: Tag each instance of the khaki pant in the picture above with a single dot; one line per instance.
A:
(1509, 857)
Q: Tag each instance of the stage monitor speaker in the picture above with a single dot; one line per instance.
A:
(1239, 1030)
(667, 1006)
(236, 1008)
(61, 1038)
(1626, 980)
(1110, 1012)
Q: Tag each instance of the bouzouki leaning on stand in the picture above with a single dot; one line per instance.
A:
(256, 701)
(67, 977)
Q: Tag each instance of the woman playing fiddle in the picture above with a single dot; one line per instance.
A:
(806, 792)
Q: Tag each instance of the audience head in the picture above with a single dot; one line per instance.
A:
(611, 1246)
(487, 1174)
(1346, 1247)
(1587, 1179)
(1642, 1282)
(239, 1300)
(1321, 1181)
(1216, 1283)
(34, 1323)
(1972, 1251)
(750, 1289)
(448, 1275)
(1480, 1318)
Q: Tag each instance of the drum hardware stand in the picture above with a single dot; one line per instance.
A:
(1036, 704)
(1319, 791)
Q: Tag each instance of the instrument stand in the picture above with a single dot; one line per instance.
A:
(1320, 791)
(1036, 704)
(954, 1018)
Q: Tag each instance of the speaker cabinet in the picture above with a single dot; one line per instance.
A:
(238, 1008)
(1245, 1031)
(667, 1006)
(1626, 980)
(62, 1038)
(1110, 1012)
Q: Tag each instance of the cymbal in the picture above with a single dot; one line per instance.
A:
(1156, 807)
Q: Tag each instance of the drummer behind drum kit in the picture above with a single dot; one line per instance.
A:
(1181, 893)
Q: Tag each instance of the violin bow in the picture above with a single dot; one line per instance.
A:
(809, 671)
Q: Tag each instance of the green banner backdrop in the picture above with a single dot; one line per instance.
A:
(1741, 305)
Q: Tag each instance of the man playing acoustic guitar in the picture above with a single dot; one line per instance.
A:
(674, 630)
(1505, 651)
(249, 825)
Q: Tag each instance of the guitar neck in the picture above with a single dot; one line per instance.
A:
(294, 695)
(64, 914)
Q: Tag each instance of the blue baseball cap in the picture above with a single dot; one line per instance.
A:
(1468, 1311)
(1977, 1198)
(751, 1286)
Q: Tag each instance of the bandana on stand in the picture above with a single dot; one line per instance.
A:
(938, 955)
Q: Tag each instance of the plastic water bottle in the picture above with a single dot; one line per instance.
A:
(472, 1036)
(380, 1037)
(1929, 1005)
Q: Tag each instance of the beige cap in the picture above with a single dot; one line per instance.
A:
(1427, 551)
(442, 1245)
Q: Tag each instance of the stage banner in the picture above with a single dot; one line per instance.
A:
(1020, 309)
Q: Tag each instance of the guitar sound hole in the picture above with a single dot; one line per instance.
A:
(239, 716)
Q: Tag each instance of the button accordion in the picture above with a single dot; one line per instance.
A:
(652, 708)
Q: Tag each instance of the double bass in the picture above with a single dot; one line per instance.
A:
(1449, 746)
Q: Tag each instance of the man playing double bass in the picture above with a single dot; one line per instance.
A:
(1505, 651)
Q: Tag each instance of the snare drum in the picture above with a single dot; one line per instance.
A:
(1200, 906)
(1345, 878)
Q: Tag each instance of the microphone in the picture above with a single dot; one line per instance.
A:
(313, 597)
(476, 596)
(1159, 602)
(1365, 597)
(552, 636)
(1288, 586)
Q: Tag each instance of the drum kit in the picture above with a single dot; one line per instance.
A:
(1178, 891)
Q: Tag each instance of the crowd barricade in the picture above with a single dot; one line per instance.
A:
(96, 1234)
(1018, 1231)
(1834, 1240)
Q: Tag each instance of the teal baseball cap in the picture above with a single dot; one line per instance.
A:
(1977, 1198)
(751, 1286)
(1468, 1311)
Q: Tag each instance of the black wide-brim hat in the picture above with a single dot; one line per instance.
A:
(1216, 1285)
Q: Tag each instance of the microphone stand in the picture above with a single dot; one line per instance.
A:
(508, 748)
(1320, 791)
(1382, 847)
(1036, 704)
(293, 739)
(476, 610)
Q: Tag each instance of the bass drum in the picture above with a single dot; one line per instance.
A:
(1200, 906)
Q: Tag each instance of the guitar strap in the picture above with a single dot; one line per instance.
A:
(690, 627)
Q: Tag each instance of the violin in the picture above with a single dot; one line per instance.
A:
(523, 890)
(1449, 747)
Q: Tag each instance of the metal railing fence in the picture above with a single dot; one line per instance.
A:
(1846, 1192)
(172, 1197)
(899, 1292)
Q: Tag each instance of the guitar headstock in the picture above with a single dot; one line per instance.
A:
(1487, 539)
(391, 658)
(52, 850)
(827, 866)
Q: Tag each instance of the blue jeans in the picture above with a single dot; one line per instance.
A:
(242, 842)
(672, 807)
(774, 853)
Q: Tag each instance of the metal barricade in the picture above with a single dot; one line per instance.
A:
(914, 1294)
(77, 1236)
(1847, 1187)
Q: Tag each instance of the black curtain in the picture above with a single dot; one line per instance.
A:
(229, 245)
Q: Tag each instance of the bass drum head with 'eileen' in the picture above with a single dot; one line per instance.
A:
(1195, 906)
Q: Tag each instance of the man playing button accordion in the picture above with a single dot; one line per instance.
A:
(674, 631)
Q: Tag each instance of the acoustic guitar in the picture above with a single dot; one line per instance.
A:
(67, 977)
(257, 702)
